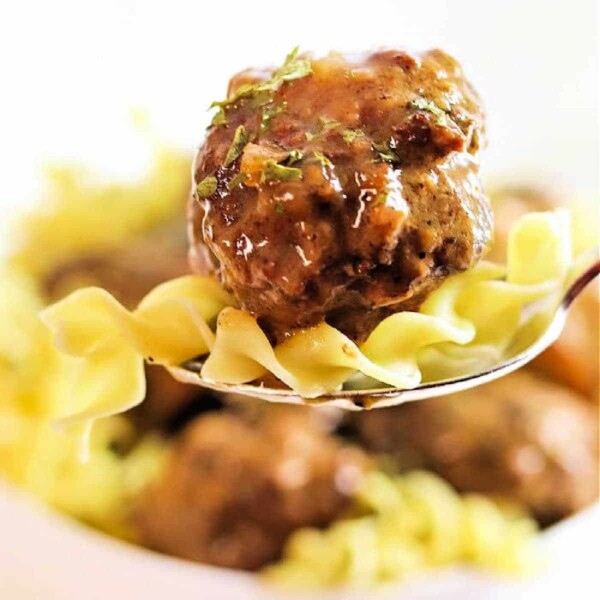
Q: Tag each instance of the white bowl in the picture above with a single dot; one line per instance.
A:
(46, 556)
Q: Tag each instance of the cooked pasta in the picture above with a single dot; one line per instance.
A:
(80, 214)
(404, 524)
(42, 460)
(470, 322)
(89, 363)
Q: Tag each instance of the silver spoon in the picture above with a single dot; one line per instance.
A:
(389, 396)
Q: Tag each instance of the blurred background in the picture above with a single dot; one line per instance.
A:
(73, 74)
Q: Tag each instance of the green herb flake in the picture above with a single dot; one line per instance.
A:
(220, 118)
(269, 112)
(329, 124)
(260, 99)
(385, 153)
(207, 187)
(323, 159)
(275, 172)
(248, 89)
(294, 157)
(240, 139)
(239, 179)
(350, 135)
(292, 68)
(429, 106)
(279, 208)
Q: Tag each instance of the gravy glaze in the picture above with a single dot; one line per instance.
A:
(342, 188)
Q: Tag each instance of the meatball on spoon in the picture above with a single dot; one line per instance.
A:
(344, 189)
(341, 189)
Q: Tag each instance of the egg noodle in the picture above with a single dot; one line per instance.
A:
(402, 525)
(77, 214)
(470, 322)
(396, 525)
(44, 461)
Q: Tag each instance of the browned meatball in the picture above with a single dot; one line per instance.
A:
(232, 493)
(520, 437)
(341, 188)
(129, 271)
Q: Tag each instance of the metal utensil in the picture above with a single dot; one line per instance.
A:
(389, 396)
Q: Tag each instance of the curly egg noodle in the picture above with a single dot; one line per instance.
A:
(80, 214)
(33, 390)
(77, 215)
(90, 365)
(403, 524)
(470, 322)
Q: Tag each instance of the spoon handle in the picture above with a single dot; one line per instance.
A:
(583, 280)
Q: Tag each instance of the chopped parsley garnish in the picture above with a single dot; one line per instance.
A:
(275, 172)
(235, 181)
(292, 68)
(207, 187)
(328, 124)
(220, 117)
(279, 207)
(294, 157)
(268, 113)
(323, 159)
(240, 139)
(324, 125)
(248, 89)
(386, 154)
(429, 106)
(350, 135)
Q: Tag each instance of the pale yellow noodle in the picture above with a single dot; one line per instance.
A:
(408, 523)
(469, 323)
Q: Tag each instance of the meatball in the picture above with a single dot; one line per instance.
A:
(232, 492)
(341, 189)
(520, 437)
(129, 271)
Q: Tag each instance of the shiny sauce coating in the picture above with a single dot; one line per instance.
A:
(343, 188)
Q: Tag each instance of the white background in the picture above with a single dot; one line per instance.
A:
(71, 71)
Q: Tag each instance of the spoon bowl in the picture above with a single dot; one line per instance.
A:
(389, 396)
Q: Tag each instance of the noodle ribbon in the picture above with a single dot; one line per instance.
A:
(469, 323)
